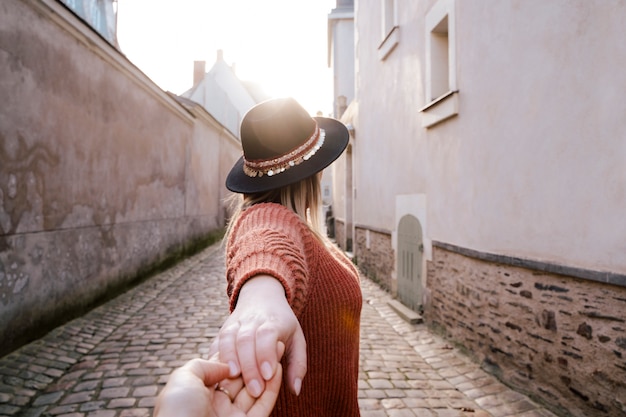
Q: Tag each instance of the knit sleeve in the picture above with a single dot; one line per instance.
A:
(268, 239)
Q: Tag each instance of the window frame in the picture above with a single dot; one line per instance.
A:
(390, 28)
(441, 98)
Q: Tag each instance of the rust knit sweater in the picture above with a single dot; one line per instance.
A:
(322, 287)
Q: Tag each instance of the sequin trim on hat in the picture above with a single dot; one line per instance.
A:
(274, 166)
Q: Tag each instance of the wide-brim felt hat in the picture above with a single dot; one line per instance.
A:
(282, 144)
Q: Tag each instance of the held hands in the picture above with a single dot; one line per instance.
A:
(252, 342)
(199, 389)
(247, 341)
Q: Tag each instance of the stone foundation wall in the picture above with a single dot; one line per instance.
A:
(340, 234)
(375, 261)
(558, 338)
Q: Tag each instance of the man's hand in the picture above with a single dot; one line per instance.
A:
(193, 391)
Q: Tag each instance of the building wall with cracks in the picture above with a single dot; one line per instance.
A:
(102, 174)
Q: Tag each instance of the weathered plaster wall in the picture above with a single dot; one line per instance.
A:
(102, 174)
(210, 156)
(559, 338)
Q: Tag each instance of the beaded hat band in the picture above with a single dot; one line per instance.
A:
(274, 166)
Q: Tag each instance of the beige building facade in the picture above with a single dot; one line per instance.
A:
(485, 184)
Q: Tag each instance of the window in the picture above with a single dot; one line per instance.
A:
(439, 61)
(441, 95)
(391, 33)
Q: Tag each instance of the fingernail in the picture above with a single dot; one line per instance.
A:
(254, 388)
(234, 370)
(297, 385)
(266, 371)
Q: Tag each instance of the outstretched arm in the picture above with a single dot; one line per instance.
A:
(248, 340)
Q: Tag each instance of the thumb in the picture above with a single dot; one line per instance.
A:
(280, 350)
(296, 362)
(208, 371)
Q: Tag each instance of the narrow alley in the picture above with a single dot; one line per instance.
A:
(113, 361)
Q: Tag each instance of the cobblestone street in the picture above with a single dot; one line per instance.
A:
(114, 360)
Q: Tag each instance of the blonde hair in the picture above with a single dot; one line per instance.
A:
(303, 198)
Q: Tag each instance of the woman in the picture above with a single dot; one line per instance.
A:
(286, 281)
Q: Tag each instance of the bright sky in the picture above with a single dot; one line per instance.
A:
(279, 44)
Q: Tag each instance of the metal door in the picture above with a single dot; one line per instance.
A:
(409, 262)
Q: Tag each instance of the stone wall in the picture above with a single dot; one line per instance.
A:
(559, 338)
(376, 258)
(102, 174)
(340, 234)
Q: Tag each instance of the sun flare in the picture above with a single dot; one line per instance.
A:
(278, 44)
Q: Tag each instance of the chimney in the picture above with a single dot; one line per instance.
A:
(220, 55)
(199, 68)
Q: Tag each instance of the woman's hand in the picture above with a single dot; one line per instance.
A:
(193, 391)
(249, 339)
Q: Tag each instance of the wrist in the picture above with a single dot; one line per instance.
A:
(262, 287)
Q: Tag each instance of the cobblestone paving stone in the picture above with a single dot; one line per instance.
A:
(113, 361)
